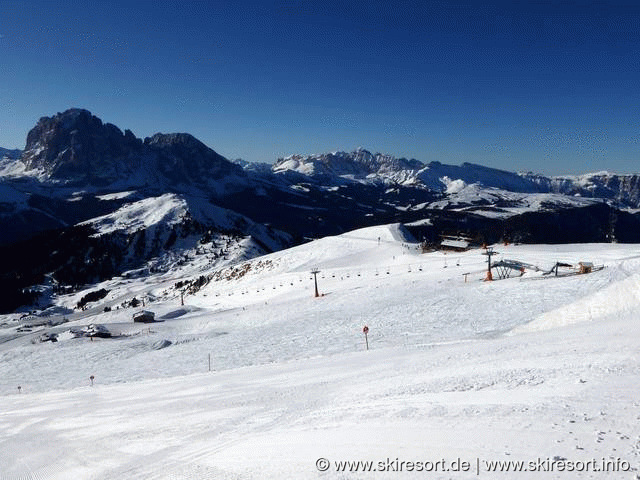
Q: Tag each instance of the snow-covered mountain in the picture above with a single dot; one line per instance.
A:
(362, 166)
(8, 154)
(491, 201)
(84, 202)
(96, 224)
(82, 182)
(76, 148)
(478, 200)
(145, 234)
(75, 167)
(623, 189)
(254, 167)
(167, 225)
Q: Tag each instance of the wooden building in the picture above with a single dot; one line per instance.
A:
(585, 267)
(455, 244)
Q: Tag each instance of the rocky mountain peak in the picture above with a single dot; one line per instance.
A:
(359, 163)
(184, 158)
(76, 145)
(172, 139)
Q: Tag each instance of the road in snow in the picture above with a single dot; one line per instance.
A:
(520, 369)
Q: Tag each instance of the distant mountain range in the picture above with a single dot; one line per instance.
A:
(123, 202)
(10, 154)
(362, 166)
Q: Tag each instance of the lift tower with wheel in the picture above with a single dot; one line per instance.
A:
(489, 253)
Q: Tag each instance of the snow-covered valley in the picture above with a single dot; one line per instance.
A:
(534, 369)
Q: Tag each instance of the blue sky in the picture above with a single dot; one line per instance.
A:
(527, 86)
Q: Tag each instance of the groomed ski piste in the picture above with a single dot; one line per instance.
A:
(255, 377)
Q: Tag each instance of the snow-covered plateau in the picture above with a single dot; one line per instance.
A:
(255, 377)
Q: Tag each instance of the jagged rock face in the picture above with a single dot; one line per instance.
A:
(623, 188)
(381, 163)
(628, 186)
(77, 146)
(183, 158)
(359, 164)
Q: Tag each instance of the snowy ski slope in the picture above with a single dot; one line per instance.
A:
(523, 369)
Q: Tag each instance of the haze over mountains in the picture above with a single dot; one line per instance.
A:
(121, 201)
